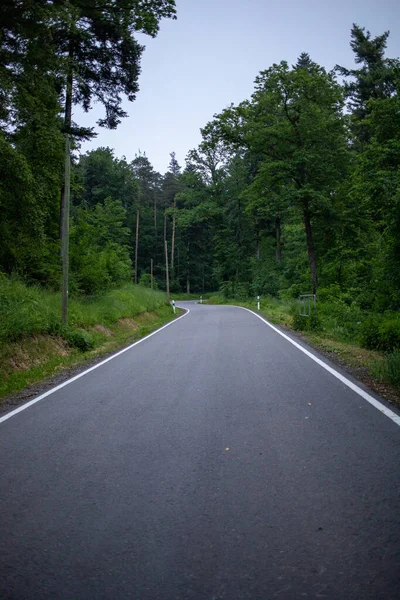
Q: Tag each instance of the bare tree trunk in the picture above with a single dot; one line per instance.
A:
(278, 253)
(166, 268)
(65, 196)
(165, 228)
(173, 242)
(310, 249)
(188, 268)
(155, 217)
(136, 245)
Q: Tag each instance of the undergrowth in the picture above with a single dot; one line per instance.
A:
(27, 311)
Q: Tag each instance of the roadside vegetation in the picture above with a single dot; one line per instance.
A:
(34, 345)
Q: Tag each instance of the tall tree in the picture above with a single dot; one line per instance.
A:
(375, 79)
(296, 122)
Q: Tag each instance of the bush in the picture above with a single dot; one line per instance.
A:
(311, 323)
(145, 281)
(79, 339)
(76, 338)
(381, 333)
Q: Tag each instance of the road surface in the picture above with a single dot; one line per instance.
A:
(213, 461)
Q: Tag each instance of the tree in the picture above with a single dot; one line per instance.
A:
(171, 187)
(375, 79)
(296, 122)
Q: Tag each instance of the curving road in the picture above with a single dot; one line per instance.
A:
(213, 461)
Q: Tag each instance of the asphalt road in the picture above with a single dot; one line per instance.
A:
(213, 461)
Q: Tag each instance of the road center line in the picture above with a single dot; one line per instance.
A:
(100, 364)
(378, 405)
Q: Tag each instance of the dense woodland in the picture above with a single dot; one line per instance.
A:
(295, 190)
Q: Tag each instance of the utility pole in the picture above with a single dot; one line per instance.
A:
(65, 231)
(65, 199)
(151, 273)
(137, 243)
(166, 269)
(173, 242)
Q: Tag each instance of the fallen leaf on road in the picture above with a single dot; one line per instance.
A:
(226, 448)
(309, 404)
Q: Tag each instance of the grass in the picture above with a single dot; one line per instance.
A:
(33, 310)
(33, 344)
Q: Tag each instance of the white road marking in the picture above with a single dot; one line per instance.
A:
(378, 405)
(103, 362)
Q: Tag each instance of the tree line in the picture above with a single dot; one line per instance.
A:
(294, 190)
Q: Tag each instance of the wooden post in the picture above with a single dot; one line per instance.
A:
(151, 273)
(137, 243)
(166, 269)
(173, 242)
(155, 217)
(65, 199)
(65, 232)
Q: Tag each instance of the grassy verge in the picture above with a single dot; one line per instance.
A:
(33, 345)
(337, 339)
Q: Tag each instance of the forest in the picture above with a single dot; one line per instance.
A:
(296, 190)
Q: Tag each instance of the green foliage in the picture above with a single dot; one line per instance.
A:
(32, 310)
(390, 369)
(310, 323)
(145, 281)
(381, 332)
(99, 248)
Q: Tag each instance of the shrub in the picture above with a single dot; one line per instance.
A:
(311, 323)
(78, 339)
(381, 333)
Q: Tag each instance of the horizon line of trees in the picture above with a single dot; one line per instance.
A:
(294, 190)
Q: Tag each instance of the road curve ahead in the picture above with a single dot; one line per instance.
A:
(213, 461)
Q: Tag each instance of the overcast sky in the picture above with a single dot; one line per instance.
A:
(211, 55)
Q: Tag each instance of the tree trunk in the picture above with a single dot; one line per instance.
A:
(136, 245)
(188, 268)
(310, 250)
(65, 196)
(151, 273)
(155, 218)
(165, 228)
(173, 243)
(278, 238)
(166, 269)
(258, 244)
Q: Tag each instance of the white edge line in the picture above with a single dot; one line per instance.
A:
(378, 405)
(100, 364)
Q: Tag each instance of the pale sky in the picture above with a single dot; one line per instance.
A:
(211, 55)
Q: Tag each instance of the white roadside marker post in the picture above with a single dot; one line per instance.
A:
(201, 299)
(258, 302)
(173, 306)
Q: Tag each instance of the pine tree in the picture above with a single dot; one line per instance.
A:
(374, 80)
